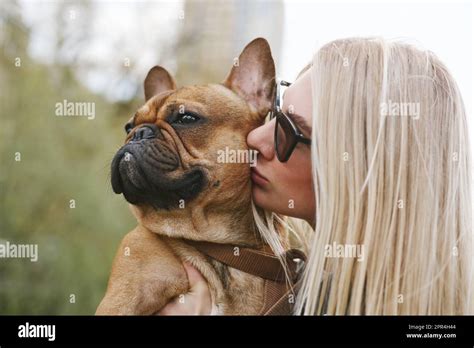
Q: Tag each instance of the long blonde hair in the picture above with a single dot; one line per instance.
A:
(392, 176)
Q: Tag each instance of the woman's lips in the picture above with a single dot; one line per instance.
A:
(258, 178)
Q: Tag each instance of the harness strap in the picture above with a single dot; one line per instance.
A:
(264, 264)
(279, 300)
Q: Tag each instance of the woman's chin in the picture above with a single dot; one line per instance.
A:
(261, 197)
(266, 200)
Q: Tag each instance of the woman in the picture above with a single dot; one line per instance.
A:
(385, 183)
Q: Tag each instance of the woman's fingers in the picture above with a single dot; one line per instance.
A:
(196, 302)
(199, 290)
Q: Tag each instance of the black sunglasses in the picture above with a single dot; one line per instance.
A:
(287, 135)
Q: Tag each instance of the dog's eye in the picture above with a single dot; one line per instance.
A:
(186, 119)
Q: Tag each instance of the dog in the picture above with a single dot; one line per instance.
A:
(189, 205)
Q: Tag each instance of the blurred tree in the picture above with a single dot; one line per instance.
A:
(215, 32)
(62, 158)
(68, 158)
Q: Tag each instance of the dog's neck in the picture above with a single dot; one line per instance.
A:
(230, 226)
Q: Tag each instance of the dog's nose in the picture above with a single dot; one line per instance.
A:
(146, 131)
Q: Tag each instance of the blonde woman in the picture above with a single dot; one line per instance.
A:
(371, 149)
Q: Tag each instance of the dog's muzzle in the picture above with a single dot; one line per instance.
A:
(144, 170)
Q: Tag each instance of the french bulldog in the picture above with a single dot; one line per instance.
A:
(169, 171)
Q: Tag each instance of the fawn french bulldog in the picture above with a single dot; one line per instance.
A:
(186, 201)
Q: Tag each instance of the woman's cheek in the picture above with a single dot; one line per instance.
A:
(291, 188)
(299, 181)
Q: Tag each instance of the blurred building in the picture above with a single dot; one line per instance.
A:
(215, 32)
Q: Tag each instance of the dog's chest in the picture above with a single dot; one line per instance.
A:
(233, 292)
(243, 292)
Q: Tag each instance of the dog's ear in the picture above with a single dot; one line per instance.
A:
(253, 76)
(158, 80)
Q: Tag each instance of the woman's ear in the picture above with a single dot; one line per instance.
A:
(158, 80)
(253, 76)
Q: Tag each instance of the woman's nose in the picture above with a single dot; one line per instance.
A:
(261, 139)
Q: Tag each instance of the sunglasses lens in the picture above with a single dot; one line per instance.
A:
(283, 138)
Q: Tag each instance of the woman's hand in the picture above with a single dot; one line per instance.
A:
(196, 302)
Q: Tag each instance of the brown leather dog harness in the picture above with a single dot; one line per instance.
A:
(280, 293)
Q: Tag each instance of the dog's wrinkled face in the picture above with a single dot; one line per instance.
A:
(170, 156)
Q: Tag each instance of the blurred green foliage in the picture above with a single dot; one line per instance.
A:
(68, 158)
(62, 158)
